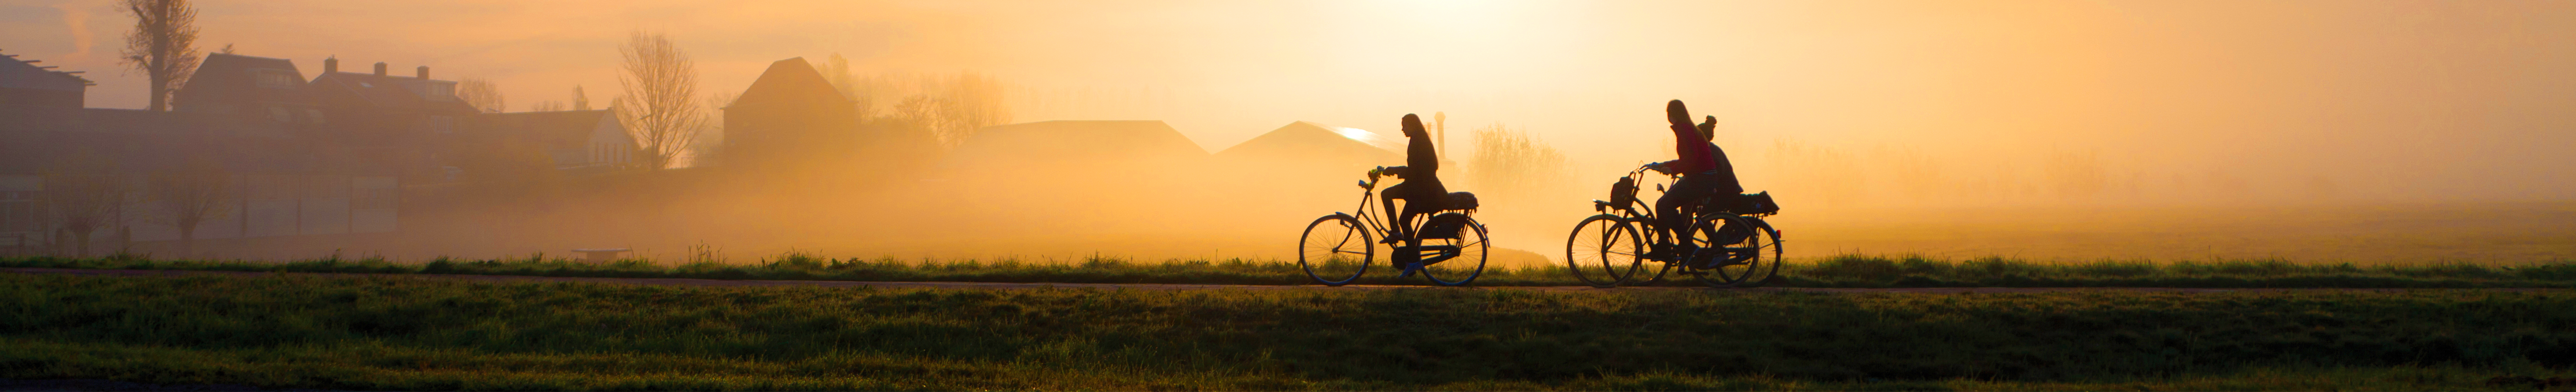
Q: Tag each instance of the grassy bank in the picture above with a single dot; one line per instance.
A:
(1837, 271)
(379, 333)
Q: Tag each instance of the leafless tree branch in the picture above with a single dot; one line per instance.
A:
(661, 105)
(163, 45)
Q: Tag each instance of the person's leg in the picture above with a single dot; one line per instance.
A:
(1399, 191)
(1670, 216)
(1731, 233)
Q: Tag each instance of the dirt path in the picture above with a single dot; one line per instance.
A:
(1135, 286)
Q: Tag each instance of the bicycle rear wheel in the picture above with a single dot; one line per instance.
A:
(1754, 260)
(1603, 251)
(1335, 250)
(1469, 262)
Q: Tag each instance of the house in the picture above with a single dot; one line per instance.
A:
(790, 116)
(22, 82)
(283, 187)
(570, 140)
(247, 116)
(251, 89)
(405, 122)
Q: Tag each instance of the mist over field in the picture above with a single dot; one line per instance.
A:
(2328, 131)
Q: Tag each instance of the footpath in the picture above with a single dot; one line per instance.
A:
(1137, 286)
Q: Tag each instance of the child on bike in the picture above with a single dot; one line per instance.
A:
(1705, 172)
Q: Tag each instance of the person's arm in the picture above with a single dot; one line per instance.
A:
(1665, 167)
(1397, 171)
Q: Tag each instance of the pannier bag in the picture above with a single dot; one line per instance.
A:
(1459, 201)
(1444, 226)
(1755, 204)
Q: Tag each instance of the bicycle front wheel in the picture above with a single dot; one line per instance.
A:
(1335, 250)
(1603, 251)
(1469, 261)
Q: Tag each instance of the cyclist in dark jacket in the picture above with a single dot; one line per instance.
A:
(1421, 190)
(1704, 168)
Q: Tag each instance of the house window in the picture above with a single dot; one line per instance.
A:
(270, 78)
(280, 114)
(326, 187)
(442, 91)
(313, 115)
(442, 124)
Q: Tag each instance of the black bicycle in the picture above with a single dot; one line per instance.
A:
(1609, 250)
(1450, 245)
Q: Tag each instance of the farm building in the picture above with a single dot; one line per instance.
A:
(790, 116)
(22, 82)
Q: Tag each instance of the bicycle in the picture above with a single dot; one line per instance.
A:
(1611, 243)
(1336, 249)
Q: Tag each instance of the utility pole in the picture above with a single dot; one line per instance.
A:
(1440, 121)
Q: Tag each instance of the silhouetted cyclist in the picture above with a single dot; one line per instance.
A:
(1421, 190)
(1704, 169)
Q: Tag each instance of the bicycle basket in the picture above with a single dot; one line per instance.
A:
(1624, 192)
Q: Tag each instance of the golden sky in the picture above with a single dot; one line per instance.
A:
(2390, 99)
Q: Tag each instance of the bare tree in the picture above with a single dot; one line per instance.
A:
(921, 111)
(85, 194)
(189, 195)
(580, 100)
(163, 45)
(973, 101)
(547, 106)
(661, 102)
(837, 71)
(481, 94)
(1512, 164)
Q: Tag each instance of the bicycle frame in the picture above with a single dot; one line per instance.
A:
(1383, 222)
(1638, 211)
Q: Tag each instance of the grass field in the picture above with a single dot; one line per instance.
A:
(378, 333)
(1836, 271)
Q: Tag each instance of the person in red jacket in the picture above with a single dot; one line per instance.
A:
(1704, 169)
(1421, 190)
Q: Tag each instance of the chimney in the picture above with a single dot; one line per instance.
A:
(424, 72)
(380, 68)
(331, 64)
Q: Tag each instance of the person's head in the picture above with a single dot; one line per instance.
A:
(1679, 115)
(1413, 126)
(1708, 129)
